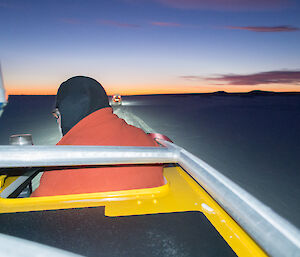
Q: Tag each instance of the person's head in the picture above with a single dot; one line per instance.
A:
(77, 98)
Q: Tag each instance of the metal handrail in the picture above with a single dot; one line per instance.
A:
(46, 156)
(274, 234)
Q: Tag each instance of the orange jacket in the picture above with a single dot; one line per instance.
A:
(102, 127)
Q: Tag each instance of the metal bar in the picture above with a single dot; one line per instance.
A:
(45, 156)
(3, 95)
(20, 183)
(274, 234)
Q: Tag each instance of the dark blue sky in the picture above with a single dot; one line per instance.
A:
(151, 46)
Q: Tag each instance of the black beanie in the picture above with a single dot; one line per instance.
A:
(77, 98)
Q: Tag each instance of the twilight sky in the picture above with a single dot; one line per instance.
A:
(151, 46)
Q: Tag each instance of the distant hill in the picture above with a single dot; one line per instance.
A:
(267, 93)
(224, 93)
(260, 92)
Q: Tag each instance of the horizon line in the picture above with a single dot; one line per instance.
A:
(183, 93)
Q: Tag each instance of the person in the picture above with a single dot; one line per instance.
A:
(86, 118)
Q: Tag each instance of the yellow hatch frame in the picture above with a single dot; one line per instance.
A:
(181, 193)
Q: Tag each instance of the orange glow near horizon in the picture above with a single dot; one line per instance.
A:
(30, 92)
(159, 89)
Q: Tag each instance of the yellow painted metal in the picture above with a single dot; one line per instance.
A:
(5, 181)
(2, 180)
(77, 201)
(186, 195)
(181, 193)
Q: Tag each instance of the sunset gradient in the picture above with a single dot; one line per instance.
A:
(151, 47)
